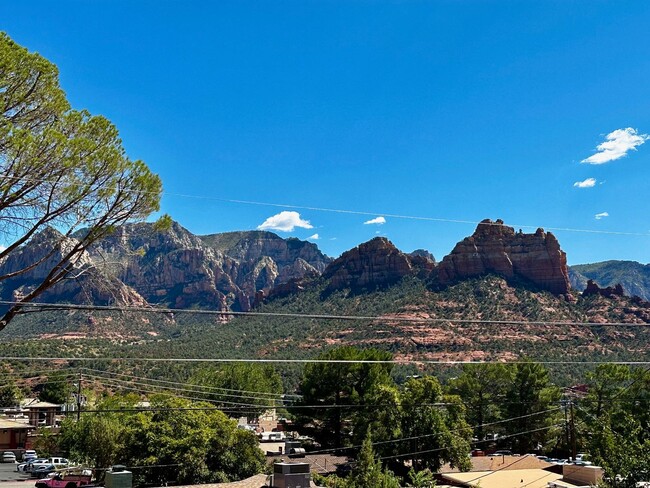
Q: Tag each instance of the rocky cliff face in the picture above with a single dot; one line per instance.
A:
(376, 263)
(235, 270)
(251, 246)
(88, 282)
(223, 271)
(497, 248)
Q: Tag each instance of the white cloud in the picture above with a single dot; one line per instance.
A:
(588, 183)
(285, 221)
(315, 237)
(616, 145)
(601, 215)
(376, 220)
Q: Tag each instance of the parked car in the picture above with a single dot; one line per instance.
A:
(37, 461)
(8, 457)
(67, 480)
(41, 467)
(503, 452)
(42, 470)
(60, 462)
(29, 454)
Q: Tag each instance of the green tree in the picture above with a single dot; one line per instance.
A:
(60, 169)
(368, 471)
(482, 388)
(421, 479)
(56, 389)
(616, 421)
(606, 384)
(10, 394)
(530, 395)
(381, 413)
(47, 443)
(437, 425)
(345, 385)
(225, 387)
(195, 443)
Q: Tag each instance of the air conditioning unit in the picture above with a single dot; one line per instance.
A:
(291, 475)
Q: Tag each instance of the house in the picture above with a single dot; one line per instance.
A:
(13, 435)
(42, 413)
(573, 476)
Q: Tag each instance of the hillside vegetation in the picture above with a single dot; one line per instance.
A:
(633, 276)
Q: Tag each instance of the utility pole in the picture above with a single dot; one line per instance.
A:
(79, 397)
(566, 423)
(574, 451)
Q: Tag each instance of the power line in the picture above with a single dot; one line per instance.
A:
(412, 454)
(306, 361)
(424, 436)
(168, 388)
(383, 318)
(349, 212)
(117, 384)
(192, 384)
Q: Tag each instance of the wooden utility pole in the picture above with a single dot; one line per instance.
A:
(566, 424)
(79, 397)
(574, 451)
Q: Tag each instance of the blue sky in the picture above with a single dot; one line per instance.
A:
(452, 110)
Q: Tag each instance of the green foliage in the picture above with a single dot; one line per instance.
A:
(247, 377)
(61, 168)
(368, 471)
(47, 443)
(530, 392)
(195, 445)
(616, 414)
(10, 394)
(341, 384)
(482, 387)
(440, 434)
(56, 389)
(421, 479)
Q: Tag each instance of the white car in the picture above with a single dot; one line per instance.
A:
(8, 457)
(35, 462)
(29, 454)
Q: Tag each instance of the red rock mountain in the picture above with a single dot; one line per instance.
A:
(237, 270)
(372, 264)
(497, 248)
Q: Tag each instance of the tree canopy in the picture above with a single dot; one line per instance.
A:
(60, 169)
(345, 384)
(193, 442)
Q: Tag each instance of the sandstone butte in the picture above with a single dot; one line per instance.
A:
(497, 248)
(493, 248)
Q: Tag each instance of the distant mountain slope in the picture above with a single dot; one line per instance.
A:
(219, 271)
(140, 264)
(490, 298)
(490, 281)
(633, 276)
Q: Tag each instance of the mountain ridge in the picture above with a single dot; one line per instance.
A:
(140, 264)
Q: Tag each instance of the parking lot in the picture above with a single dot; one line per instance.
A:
(8, 473)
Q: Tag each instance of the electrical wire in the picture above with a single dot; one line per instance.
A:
(192, 384)
(349, 212)
(187, 390)
(306, 361)
(53, 306)
(412, 454)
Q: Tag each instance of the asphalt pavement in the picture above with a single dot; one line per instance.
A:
(10, 477)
